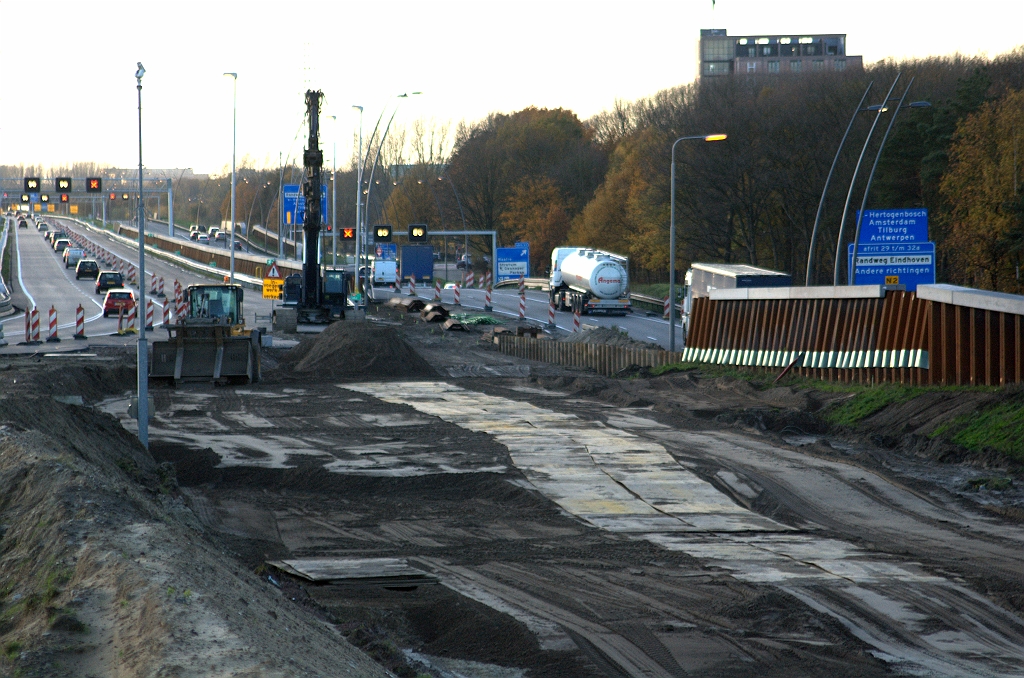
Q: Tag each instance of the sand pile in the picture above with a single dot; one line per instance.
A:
(608, 335)
(350, 349)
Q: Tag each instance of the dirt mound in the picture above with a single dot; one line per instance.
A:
(358, 350)
(612, 336)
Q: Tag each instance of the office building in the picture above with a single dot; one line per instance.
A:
(796, 53)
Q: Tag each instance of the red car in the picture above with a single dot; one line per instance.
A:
(117, 299)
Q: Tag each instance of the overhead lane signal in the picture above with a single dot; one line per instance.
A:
(348, 234)
(63, 197)
(25, 197)
(382, 233)
(113, 196)
(62, 184)
(44, 198)
(417, 232)
(93, 185)
(31, 184)
(124, 196)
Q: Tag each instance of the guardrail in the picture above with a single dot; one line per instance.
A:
(940, 335)
(605, 359)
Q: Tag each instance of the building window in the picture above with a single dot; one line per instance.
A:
(773, 66)
(840, 64)
(717, 49)
(751, 66)
(716, 68)
(794, 66)
(818, 65)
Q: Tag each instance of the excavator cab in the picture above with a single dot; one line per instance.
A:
(211, 343)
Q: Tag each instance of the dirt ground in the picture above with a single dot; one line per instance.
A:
(115, 561)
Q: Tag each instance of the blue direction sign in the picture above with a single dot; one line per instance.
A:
(513, 261)
(879, 227)
(386, 251)
(295, 204)
(909, 264)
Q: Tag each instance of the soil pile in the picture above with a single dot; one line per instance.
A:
(608, 335)
(358, 350)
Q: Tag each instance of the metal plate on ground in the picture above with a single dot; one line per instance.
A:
(360, 571)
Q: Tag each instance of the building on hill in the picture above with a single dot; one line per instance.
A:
(796, 53)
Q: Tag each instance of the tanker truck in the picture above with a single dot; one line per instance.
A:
(589, 281)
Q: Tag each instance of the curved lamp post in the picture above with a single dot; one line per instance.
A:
(672, 236)
(879, 108)
(852, 273)
(143, 351)
(828, 179)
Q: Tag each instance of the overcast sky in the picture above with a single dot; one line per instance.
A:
(67, 86)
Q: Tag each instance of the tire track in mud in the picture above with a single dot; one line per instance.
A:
(887, 602)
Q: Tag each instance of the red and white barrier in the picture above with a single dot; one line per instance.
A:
(575, 321)
(412, 285)
(130, 319)
(487, 298)
(522, 285)
(52, 334)
(551, 314)
(149, 314)
(152, 283)
(160, 288)
(35, 324)
(665, 313)
(458, 302)
(80, 323)
(28, 325)
(437, 290)
(469, 280)
(167, 314)
(487, 278)
(522, 306)
(177, 292)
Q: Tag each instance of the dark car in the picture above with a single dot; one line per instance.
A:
(106, 280)
(87, 268)
(22, 224)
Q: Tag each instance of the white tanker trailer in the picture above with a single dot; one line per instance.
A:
(589, 281)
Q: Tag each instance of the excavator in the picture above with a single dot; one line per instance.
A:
(211, 343)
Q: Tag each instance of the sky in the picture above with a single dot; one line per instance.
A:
(68, 89)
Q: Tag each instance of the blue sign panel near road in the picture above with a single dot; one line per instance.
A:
(513, 262)
(880, 227)
(295, 205)
(909, 264)
(386, 251)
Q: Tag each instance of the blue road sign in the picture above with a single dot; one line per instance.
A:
(909, 264)
(386, 251)
(513, 261)
(295, 205)
(880, 227)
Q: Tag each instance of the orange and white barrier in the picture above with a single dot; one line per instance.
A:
(80, 323)
(130, 319)
(149, 314)
(437, 290)
(666, 305)
(160, 288)
(152, 283)
(469, 280)
(551, 314)
(458, 302)
(35, 324)
(167, 314)
(52, 334)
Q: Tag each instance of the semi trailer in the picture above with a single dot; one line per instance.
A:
(587, 281)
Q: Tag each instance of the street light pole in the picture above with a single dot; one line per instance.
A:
(852, 273)
(828, 179)
(334, 190)
(234, 147)
(143, 354)
(672, 236)
(359, 198)
(880, 108)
